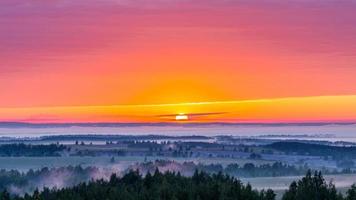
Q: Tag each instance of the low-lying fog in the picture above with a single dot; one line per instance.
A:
(282, 183)
(334, 132)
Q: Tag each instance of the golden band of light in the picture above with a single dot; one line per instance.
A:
(330, 108)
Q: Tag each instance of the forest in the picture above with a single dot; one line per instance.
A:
(167, 186)
(22, 182)
(174, 186)
(18, 182)
(300, 148)
(21, 149)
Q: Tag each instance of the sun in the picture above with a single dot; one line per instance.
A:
(182, 117)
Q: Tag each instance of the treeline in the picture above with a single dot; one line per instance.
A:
(21, 149)
(246, 170)
(174, 186)
(157, 186)
(334, 152)
(252, 170)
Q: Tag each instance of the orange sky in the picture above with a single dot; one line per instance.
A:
(63, 61)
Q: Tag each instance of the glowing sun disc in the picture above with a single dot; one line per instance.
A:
(181, 117)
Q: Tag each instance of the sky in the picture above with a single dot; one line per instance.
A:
(149, 61)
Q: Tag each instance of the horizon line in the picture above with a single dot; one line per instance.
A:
(310, 123)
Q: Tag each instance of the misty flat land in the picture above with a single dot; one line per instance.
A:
(269, 160)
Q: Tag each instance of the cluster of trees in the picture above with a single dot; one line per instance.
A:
(314, 187)
(335, 152)
(167, 186)
(252, 170)
(21, 149)
(33, 178)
